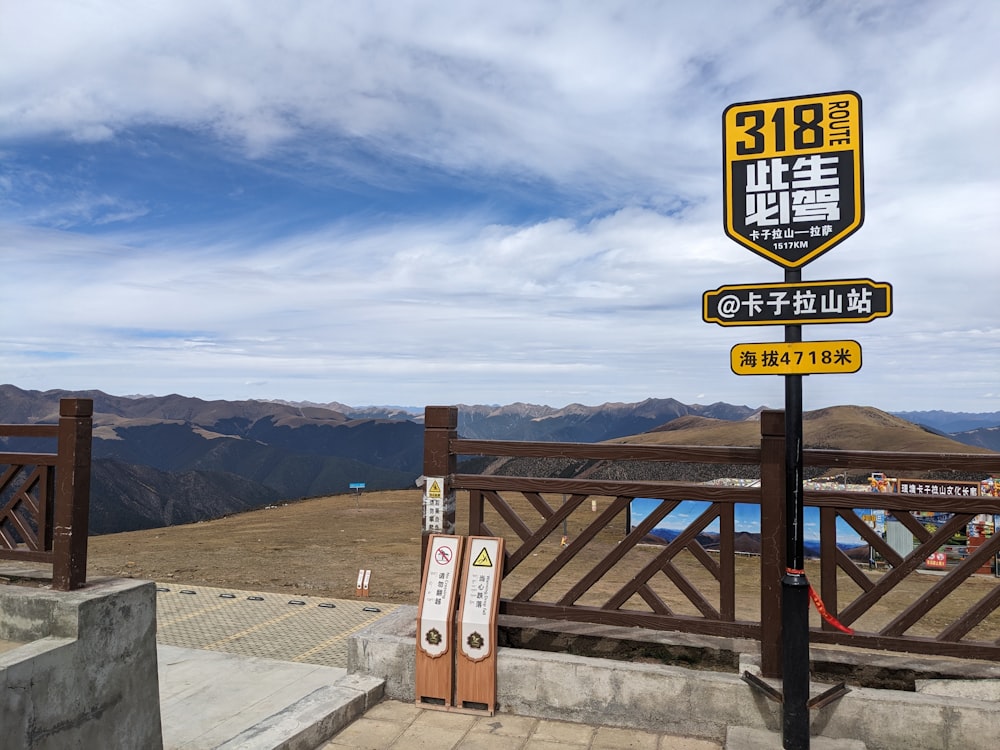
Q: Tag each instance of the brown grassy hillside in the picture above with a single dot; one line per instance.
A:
(840, 427)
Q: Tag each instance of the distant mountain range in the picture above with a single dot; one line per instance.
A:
(982, 430)
(163, 460)
(584, 424)
(844, 427)
(575, 423)
(984, 437)
(949, 422)
(578, 423)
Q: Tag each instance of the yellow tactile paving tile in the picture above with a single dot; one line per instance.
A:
(274, 626)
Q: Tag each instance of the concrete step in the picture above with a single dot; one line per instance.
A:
(980, 690)
(213, 700)
(744, 738)
(311, 721)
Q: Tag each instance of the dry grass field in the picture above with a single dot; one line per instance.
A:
(312, 547)
(315, 547)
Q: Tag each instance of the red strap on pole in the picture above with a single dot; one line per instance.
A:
(820, 607)
(826, 615)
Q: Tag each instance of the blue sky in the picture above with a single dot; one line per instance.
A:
(412, 202)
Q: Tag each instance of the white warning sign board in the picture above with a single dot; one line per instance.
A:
(437, 505)
(440, 587)
(481, 597)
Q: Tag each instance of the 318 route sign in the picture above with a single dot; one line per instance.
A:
(801, 358)
(793, 175)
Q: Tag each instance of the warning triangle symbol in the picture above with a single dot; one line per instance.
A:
(483, 560)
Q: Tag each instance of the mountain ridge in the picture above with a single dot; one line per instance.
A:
(180, 452)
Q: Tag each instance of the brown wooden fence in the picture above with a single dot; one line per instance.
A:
(45, 497)
(606, 570)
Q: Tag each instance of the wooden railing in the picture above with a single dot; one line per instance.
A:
(606, 572)
(45, 497)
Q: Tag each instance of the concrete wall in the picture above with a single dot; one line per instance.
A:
(681, 701)
(85, 675)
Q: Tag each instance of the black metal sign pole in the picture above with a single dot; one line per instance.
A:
(794, 586)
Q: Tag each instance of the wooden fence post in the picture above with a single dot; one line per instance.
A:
(772, 538)
(440, 427)
(72, 497)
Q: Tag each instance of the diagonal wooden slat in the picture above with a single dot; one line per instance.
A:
(655, 603)
(17, 529)
(906, 619)
(664, 557)
(707, 561)
(20, 517)
(539, 503)
(31, 490)
(572, 549)
(975, 615)
(550, 525)
(508, 514)
(853, 572)
(10, 472)
(8, 539)
(690, 591)
(22, 493)
(623, 548)
(893, 558)
(912, 561)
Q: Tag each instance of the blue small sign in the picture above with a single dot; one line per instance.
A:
(357, 485)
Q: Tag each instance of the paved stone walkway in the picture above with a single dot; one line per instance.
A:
(271, 626)
(393, 725)
(315, 631)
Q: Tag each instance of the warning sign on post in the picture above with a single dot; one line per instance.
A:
(439, 506)
(479, 599)
(793, 175)
(475, 664)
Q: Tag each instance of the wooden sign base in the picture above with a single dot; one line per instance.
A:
(476, 652)
(436, 623)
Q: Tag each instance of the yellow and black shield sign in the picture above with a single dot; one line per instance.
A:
(793, 175)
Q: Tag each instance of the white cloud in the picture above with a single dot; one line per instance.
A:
(611, 111)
